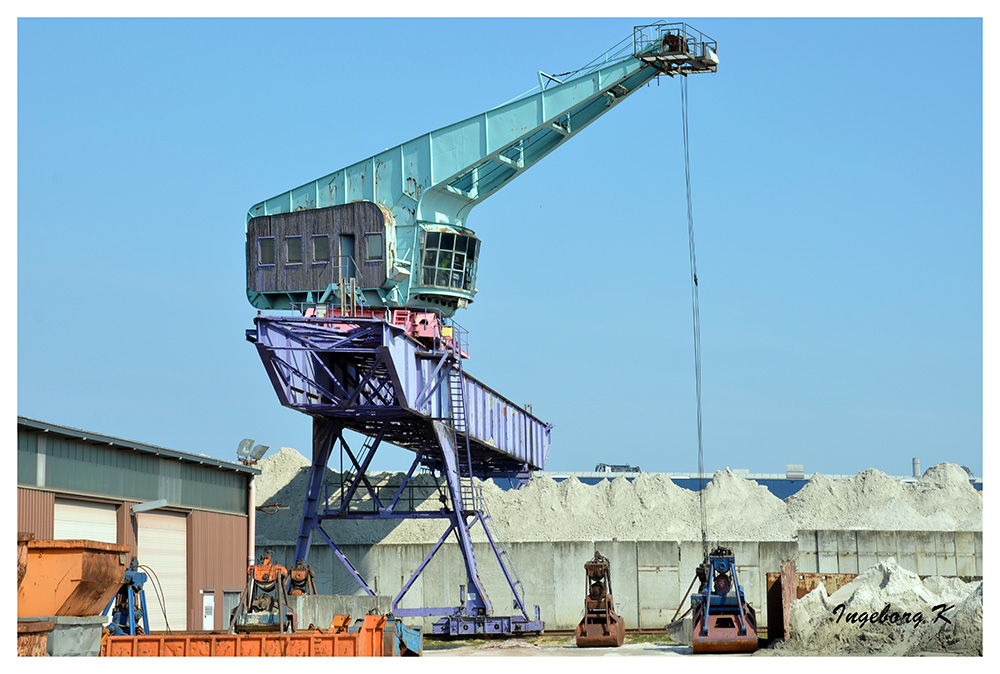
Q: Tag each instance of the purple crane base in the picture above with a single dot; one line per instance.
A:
(368, 376)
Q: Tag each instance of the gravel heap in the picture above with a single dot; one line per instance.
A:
(888, 610)
(651, 507)
(941, 500)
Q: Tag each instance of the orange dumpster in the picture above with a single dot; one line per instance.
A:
(368, 640)
(300, 644)
(22, 554)
(70, 578)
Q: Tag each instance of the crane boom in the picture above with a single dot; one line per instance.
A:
(395, 223)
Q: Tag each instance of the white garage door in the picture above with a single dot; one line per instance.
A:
(81, 520)
(162, 546)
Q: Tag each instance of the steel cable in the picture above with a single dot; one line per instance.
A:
(696, 315)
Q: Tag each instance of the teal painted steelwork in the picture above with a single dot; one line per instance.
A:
(431, 183)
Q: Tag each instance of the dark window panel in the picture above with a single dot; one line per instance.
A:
(293, 249)
(266, 250)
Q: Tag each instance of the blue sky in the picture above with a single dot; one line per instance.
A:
(837, 178)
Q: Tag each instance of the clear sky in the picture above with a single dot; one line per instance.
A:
(837, 170)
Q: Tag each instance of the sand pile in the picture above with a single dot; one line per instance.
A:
(944, 494)
(941, 500)
(728, 500)
(651, 507)
(888, 610)
(284, 480)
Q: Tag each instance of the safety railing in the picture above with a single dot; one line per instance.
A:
(678, 37)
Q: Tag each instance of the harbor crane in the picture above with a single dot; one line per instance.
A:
(376, 258)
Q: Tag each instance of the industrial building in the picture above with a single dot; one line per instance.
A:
(184, 516)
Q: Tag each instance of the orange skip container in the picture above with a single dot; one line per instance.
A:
(70, 578)
(366, 641)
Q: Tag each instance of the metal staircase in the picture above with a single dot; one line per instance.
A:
(467, 501)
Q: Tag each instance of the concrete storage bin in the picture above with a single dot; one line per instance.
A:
(69, 635)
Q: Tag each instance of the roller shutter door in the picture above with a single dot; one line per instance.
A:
(82, 520)
(162, 546)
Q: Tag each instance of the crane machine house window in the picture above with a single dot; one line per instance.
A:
(266, 252)
(321, 248)
(449, 260)
(373, 243)
(293, 250)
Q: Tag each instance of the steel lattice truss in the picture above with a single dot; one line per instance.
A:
(366, 376)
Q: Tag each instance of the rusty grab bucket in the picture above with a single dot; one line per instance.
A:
(601, 626)
(723, 635)
(70, 578)
(606, 632)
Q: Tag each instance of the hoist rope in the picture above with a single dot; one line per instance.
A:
(696, 317)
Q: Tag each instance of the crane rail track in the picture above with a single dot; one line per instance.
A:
(547, 633)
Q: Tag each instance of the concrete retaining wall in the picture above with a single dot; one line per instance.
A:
(319, 610)
(928, 553)
(650, 579)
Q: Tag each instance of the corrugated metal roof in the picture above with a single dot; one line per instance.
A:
(98, 438)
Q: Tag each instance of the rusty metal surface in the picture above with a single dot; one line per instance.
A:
(369, 640)
(33, 638)
(311, 644)
(786, 579)
(609, 634)
(807, 582)
(723, 635)
(775, 625)
(70, 578)
(601, 626)
(22, 555)
(785, 587)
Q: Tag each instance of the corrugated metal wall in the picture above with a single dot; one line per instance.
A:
(71, 465)
(36, 512)
(217, 562)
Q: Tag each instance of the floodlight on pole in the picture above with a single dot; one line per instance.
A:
(258, 452)
(243, 450)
